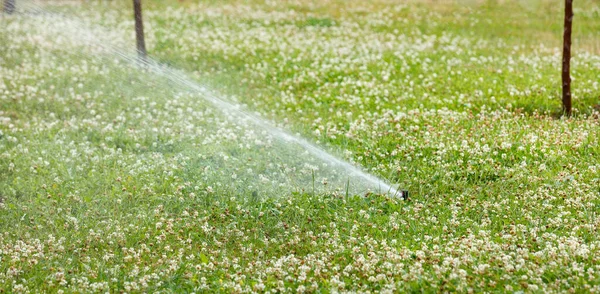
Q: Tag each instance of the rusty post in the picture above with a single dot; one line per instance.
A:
(139, 30)
(566, 60)
(9, 6)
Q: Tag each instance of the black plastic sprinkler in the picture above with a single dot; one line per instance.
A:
(404, 194)
(139, 30)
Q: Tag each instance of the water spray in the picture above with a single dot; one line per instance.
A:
(346, 174)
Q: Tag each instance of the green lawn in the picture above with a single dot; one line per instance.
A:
(117, 179)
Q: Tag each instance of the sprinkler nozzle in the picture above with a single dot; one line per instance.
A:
(404, 194)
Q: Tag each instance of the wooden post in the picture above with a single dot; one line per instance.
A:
(139, 30)
(9, 6)
(566, 61)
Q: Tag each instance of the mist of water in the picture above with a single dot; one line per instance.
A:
(288, 162)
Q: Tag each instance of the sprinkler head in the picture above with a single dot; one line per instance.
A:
(404, 194)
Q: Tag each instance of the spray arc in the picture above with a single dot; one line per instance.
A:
(341, 175)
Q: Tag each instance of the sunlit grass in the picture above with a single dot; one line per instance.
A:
(112, 180)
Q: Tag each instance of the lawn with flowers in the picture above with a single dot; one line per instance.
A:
(111, 180)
